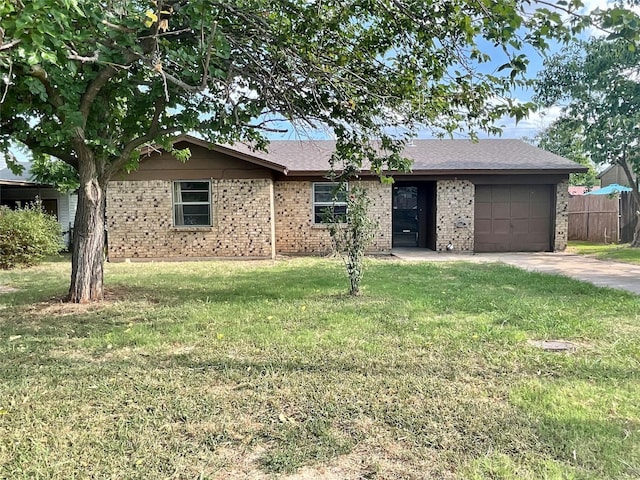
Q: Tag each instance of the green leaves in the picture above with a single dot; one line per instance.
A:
(565, 137)
(27, 235)
(119, 75)
(51, 171)
(597, 82)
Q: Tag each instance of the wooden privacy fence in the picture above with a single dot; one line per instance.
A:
(594, 218)
(628, 217)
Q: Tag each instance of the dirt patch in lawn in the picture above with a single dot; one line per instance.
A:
(58, 306)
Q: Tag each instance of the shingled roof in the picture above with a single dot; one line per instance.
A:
(297, 157)
(428, 156)
(7, 177)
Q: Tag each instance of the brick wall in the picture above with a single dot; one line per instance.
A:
(296, 232)
(140, 221)
(455, 215)
(562, 216)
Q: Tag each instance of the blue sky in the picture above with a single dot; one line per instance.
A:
(527, 127)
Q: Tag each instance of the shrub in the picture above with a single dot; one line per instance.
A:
(27, 235)
(352, 233)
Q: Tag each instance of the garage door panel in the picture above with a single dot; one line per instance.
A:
(500, 210)
(483, 226)
(538, 225)
(513, 218)
(540, 209)
(520, 226)
(483, 195)
(520, 210)
(528, 246)
(500, 193)
(501, 227)
(483, 211)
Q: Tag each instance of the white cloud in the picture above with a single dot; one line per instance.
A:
(591, 5)
(530, 126)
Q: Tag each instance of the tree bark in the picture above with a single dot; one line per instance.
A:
(635, 193)
(87, 260)
(636, 234)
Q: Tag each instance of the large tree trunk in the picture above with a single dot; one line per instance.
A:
(636, 233)
(87, 261)
(635, 193)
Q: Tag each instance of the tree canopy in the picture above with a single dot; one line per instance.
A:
(562, 139)
(598, 84)
(90, 82)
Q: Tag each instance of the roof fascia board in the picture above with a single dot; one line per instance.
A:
(221, 149)
(324, 173)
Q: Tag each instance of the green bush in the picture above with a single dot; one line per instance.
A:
(27, 235)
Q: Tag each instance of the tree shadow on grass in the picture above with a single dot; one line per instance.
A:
(594, 448)
(469, 287)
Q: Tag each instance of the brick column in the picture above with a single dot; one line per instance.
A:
(561, 234)
(455, 205)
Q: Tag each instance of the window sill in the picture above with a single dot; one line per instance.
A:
(192, 229)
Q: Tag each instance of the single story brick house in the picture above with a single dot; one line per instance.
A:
(229, 201)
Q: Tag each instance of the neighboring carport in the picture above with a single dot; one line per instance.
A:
(16, 191)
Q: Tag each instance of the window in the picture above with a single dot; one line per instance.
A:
(192, 204)
(329, 198)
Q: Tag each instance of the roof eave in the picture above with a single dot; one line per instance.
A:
(22, 183)
(561, 171)
(222, 149)
(496, 171)
(249, 158)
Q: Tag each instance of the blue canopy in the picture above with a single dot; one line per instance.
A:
(609, 190)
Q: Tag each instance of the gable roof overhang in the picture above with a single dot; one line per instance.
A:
(21, 183)
(431, 158)
(224, 149)
(449, 172)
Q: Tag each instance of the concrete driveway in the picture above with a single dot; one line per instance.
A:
(618, 275)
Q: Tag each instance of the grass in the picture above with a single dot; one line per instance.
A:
(617, 252)
(266, 369)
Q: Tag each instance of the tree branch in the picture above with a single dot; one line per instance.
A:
(167, 34)
(120, 28)
(89, 96)
(7, 83)
(625, 166)
(124, 157)
(8, 45)
(262, 126)
(53, 94)
(159, 108)
(73, 55)
(34, 144)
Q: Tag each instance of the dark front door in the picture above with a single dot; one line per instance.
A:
(405, 216)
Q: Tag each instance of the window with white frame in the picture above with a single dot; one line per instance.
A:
(329, 198)
(192, 203)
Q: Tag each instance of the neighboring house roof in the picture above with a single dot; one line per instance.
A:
(606, 170)
(7, 177)
(581, 190)
(613, 167)
(297, 157)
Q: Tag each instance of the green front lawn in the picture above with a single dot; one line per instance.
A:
(262, 369)
(611, 251)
